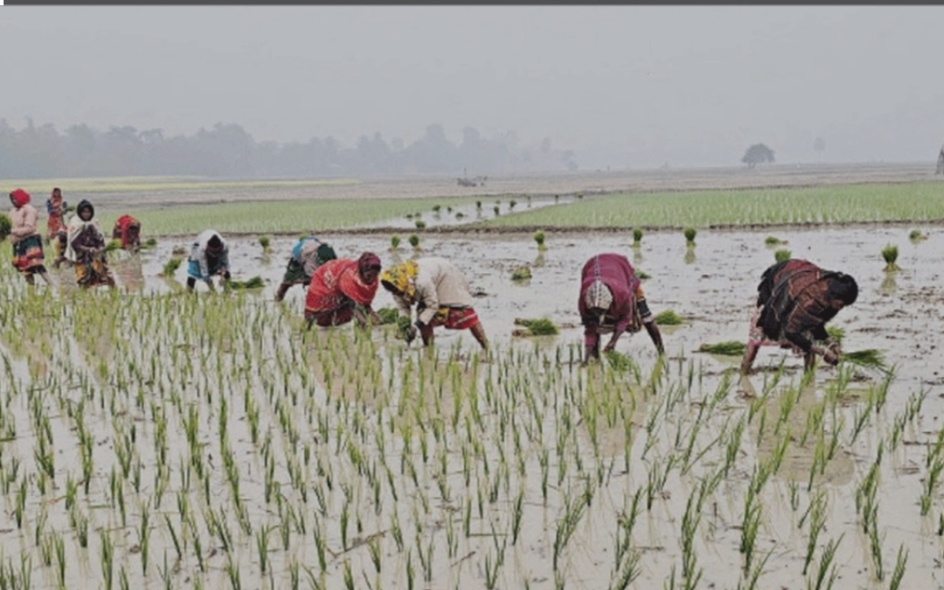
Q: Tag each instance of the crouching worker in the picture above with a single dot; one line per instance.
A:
(86, 248)
(441, 295)
(128, 230)
(612, 302)
(209, 257)
(28, 257)
(308, 254)
(342, 290)
(795, 299)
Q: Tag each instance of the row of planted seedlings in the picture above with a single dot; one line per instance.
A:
(207, 441)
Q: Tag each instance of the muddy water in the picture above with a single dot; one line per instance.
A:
(712, 287)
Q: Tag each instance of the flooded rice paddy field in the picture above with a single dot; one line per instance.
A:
(164, 440)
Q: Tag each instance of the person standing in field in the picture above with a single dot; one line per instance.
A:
(209, 257)
(87, 245)
(612, 302)
(441, 295)
(308, 254)
(795, 299)
(56, 208)
(341, 290)
(28, 256)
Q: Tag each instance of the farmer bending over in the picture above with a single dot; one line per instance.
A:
(308, 254)
(612, 302)
(209, 257)
(441, 295)
(795, 299)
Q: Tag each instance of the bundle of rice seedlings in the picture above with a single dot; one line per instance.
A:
(668, 318)
(728, 348)
(868, 358)
(890, 254)
(521, 273)
(619, 361)
(264, 242)
(171, 266)
(420, 224)
(255, 282)
(538, 327)
(916, 235)
(773, 241)
(149, 243)
(414, 241)
(637, 236)
(179, 251)
(113, 245)
(394, 242)
(539, 238)
(690, 235)
(782, 255)
(388, 315)
(642, 275)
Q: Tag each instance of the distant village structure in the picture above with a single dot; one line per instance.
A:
(940, 162)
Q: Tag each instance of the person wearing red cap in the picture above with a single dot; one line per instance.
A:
(27, 243)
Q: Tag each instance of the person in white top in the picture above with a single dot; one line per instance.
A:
(441, 295)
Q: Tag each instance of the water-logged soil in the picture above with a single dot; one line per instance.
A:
(532, 392)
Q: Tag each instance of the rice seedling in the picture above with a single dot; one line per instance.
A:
(265, 242)
(539, 240)
(255, 282)
(899, 572)
(773, 241)
(171, 266)
(869, 358)
(642, 275)
(668, 318)
(394, 243)
(690, 234)
(149, 243)
(727, 348)
(522, 273)
(113, 246)
(637, 237)
(538, 327)
(782, 255)
(414, 241)
(890, 255)
(497, 210)
(420, 224)
(916, 235)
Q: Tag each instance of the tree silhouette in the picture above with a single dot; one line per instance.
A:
(757, 154)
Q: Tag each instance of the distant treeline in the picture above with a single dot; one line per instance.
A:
(229, 151)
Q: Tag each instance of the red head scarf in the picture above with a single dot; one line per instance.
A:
(20, 197)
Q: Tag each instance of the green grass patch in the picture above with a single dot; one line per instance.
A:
(917, 201)
(299, 215)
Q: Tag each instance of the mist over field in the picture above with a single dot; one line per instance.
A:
(370, 90)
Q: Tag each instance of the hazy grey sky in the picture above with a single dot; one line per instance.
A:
(624, 86)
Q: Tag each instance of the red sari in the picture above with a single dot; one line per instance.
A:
(335, 288)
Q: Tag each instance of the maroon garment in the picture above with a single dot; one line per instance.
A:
(617, 274)
(794, 296)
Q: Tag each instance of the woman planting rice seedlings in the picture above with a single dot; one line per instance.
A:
(795, 300)
(611, 302)
(308, 254)
(342, 290)
(441, 294)
(128, 230)
(27, 243)
(209, 256)
(86, 248)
